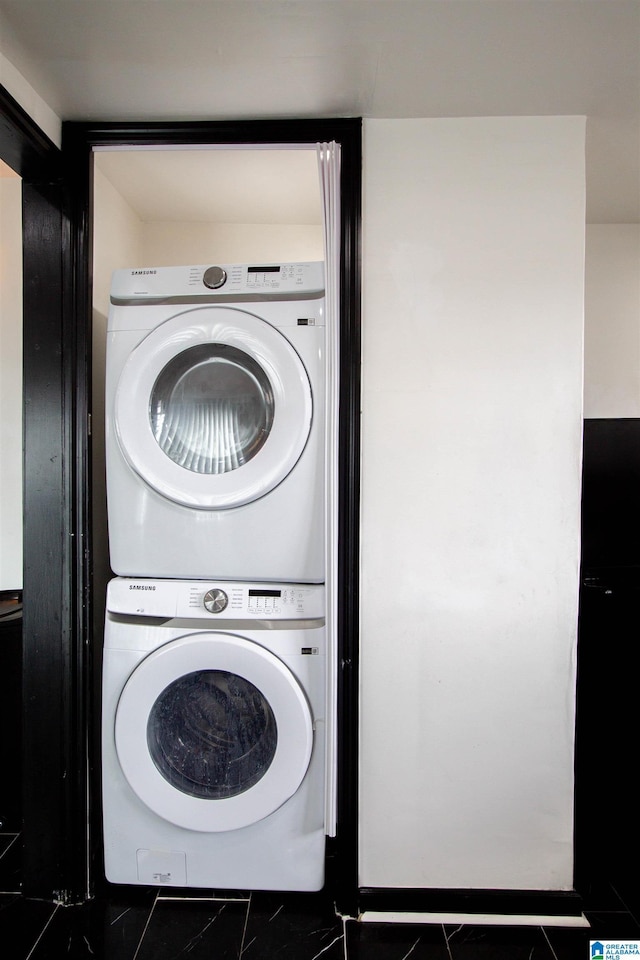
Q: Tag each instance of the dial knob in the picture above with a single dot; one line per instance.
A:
(214, 277)
(215, 600)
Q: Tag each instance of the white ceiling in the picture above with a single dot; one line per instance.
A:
(221, 59)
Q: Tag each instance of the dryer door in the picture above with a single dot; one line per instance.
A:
(213, 732)
(213, 408)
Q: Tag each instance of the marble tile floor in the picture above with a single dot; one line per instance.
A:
(147, 924)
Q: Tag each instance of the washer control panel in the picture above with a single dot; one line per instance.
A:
(215, 601)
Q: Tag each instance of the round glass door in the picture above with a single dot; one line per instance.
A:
(213, 408)
(213, 732)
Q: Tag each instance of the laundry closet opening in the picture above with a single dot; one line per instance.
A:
(276, 186)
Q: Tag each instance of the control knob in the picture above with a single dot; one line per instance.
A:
(214, 277)
(215, 600)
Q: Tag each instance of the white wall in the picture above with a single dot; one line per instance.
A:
(612, 321)
(11, 316)
(166, 244)
(472, 366)
(116, 244)
(10, 382)
(117, 237)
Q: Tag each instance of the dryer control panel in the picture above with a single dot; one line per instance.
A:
(218, 283)
(221, 600)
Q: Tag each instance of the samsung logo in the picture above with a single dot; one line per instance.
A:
(141, 586)
(137, 273)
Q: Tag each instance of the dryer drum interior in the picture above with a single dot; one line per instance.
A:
(211, 408)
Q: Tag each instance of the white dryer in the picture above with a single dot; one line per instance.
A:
(213, 735)
(215, 422)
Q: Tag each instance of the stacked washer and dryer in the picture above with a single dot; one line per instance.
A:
(216, 691)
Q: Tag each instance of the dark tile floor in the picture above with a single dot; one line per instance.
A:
(146, 924)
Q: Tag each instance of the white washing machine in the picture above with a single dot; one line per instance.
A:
(215, 422)
(213, 735)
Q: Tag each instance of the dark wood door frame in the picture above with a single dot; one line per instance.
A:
(79, 141)
(55, 585)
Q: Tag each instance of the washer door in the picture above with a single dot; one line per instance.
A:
(213, 732)
(213, 408)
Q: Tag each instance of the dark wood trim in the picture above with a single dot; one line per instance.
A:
(79, 140)
(346, 885)
(47, 617)
(23, 145)
(83, 136)
(54, 807)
